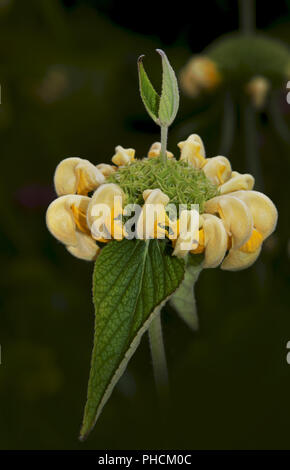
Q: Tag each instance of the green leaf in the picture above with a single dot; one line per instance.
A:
(169, 100)
(132, 280)
(149, 96)
(183, 300)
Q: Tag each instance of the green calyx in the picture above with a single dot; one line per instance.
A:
(182, 183)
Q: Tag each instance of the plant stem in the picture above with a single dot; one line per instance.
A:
(247, 16)
(228, 125)
(247, 26)
(253, 160)
(159, 359)
(164, 134)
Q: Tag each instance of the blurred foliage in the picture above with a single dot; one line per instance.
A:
(69, 88)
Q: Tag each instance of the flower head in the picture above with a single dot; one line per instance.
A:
(234, 219)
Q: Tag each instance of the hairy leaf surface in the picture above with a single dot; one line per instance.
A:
(132, 279)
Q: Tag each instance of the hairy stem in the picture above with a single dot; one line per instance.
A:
(164, 134)
(159, 358)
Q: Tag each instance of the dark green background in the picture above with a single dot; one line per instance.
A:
(69, 88)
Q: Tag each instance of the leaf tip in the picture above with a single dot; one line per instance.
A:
(161, 52)
(140, 59)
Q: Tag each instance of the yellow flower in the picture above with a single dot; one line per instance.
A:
(237, 182)
(104, 214)
(217, 169)
(235, 215)
(188, 233)
(192, 151)
(76, 176)
(230, 232)
(66, 220)
(200, 73)
(258, 88)
(155, 150)
(213, 240)
(106, 169)
(123, 156)
(264, 215)
(153, 218)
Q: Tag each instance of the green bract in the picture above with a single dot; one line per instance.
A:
(162, 109)
(182, 183)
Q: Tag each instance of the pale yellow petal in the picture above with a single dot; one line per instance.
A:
(236, 216)
(155, 150)
(237, 182)
(106, 169)
(88, 177)
(76, 176)
(237, 260)
(258, 88)
(189, 233)
(217, 169)
(123, 156)
(264, 212)
(155, 196)
(192, 151)
(147, 226)
(65, 181)
(111, 196)
(86, 248)
(60, 217)
(215, 240)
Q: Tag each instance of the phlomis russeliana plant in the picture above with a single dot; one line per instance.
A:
(150, 225)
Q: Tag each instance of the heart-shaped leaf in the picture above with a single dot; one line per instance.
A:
(132, 279)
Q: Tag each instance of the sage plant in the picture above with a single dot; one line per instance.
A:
(190, 212)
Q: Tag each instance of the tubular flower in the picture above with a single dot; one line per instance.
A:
(217, 170)
(123, 156)
(155, 150)
(66, 220)
(264, 215)
(106, 169)
(258, 88)
(237, 182)
(213, 240)
(76, 176)
(188, 237)
(192, 151)
(153, 219)
(236, 217)
(200, 73)
(234, 220)
(104, 214)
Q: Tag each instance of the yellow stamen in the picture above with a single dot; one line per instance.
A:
(83, 187)
(220, 172)
(80, 219)
(253, 243)
(201, 247)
